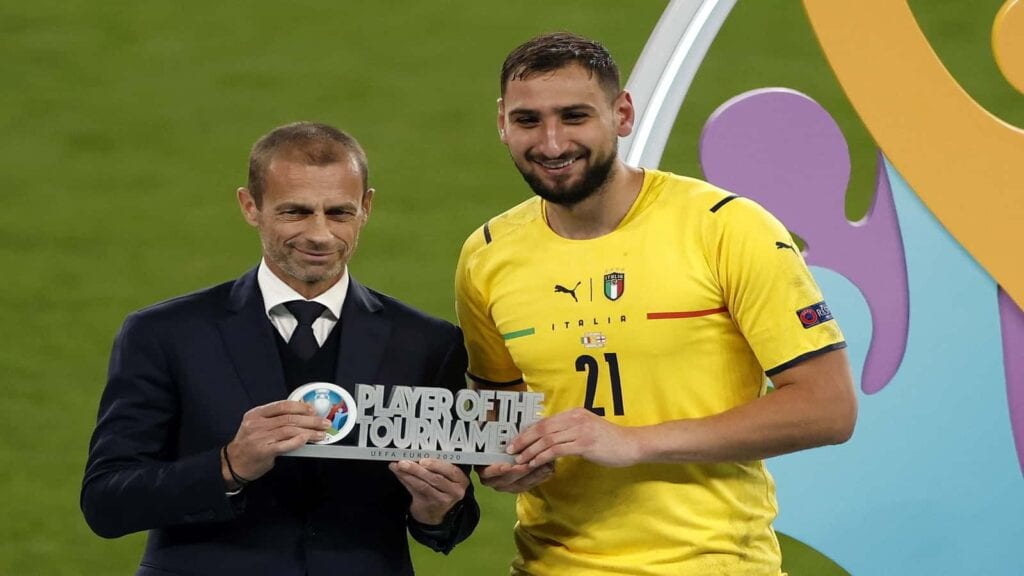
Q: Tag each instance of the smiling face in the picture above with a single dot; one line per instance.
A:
(562, 131)
(309, 220)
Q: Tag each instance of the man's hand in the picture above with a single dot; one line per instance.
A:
(576, 432)
(268, 431)
(435, 487)
(514, 478)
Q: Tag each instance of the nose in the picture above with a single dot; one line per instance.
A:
(554, 142)
(318, 231)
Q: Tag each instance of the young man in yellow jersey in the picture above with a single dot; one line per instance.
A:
(648, 308)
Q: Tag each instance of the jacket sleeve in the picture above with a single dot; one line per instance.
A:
(135, 479)
(456, 526)
(465, 515)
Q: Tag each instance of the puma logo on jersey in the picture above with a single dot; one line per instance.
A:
(783, 246)
(570, 292)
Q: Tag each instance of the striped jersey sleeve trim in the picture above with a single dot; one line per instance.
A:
(804, 357)
(493, 384)
(723, 202)
(487, 232)
(690, 314)
(519, 333)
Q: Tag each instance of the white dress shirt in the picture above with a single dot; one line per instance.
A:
(276, 293)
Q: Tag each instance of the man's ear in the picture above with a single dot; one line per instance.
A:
(501, 121)
(248, 206)
(367, 204)
(625, 113)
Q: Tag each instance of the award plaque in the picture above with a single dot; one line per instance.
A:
(410, 423)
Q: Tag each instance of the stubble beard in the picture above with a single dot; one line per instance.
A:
(594, 179)
(286, 259)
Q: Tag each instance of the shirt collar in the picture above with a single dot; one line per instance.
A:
(276, 292)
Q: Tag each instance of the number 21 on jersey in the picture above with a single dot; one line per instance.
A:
(590, 365)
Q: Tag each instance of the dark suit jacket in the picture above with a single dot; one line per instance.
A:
(183, 373)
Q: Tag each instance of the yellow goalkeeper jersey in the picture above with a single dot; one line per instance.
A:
(678, 313)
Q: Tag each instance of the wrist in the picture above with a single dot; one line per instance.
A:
(646, 444)
(439, 522)
(439, 537)
(225, 474)
(234, 482)
(673, 441)
(426, 518)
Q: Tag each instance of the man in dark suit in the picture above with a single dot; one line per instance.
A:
(193, 418)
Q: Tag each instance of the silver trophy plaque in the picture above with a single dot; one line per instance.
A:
(411, 423)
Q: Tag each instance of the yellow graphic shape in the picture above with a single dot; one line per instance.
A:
(964, 163)
(1008, 42)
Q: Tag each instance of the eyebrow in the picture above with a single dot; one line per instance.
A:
(557, 110)
(284, 206)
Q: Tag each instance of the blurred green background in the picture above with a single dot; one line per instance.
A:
(125, 131)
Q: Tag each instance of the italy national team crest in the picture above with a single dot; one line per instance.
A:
(614, 285)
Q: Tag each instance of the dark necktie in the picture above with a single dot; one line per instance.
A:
(303, 342)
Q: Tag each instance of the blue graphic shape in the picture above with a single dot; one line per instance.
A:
(340, 417)
(930, 482)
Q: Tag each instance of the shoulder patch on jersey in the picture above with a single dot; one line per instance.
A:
(814, 314)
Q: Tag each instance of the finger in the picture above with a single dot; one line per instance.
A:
(545, 444)
(282, 407)
(549, 425)
(534, 478)
(489, 470)
(548, 456)
(287, 433)
(256, 422)
(453, 488)
(523, 483)
(496, 470)
(450, 471)
(293, 443)
(438, 481)
(257, 451)
(299, 421)
(501, 481)
(524, 439)
(404, 479)
(416, 485)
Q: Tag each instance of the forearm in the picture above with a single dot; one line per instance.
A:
(119, 497)
(787, 420)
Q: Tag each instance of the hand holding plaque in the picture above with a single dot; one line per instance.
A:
(266, 432)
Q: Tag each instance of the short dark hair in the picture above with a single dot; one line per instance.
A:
(311, 143)
(554, 51)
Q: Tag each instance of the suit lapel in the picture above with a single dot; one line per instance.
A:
(364, 338)
(249, 339)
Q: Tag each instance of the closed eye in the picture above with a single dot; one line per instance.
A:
(294, 213)
(575, 117)
(341, 214)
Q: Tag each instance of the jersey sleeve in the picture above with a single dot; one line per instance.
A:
(490, 364)
(768, 289)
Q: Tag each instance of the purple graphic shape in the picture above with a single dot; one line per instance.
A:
(783, 150)
(1011, 320)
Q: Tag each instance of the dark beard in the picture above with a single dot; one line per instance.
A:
(593, 180)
